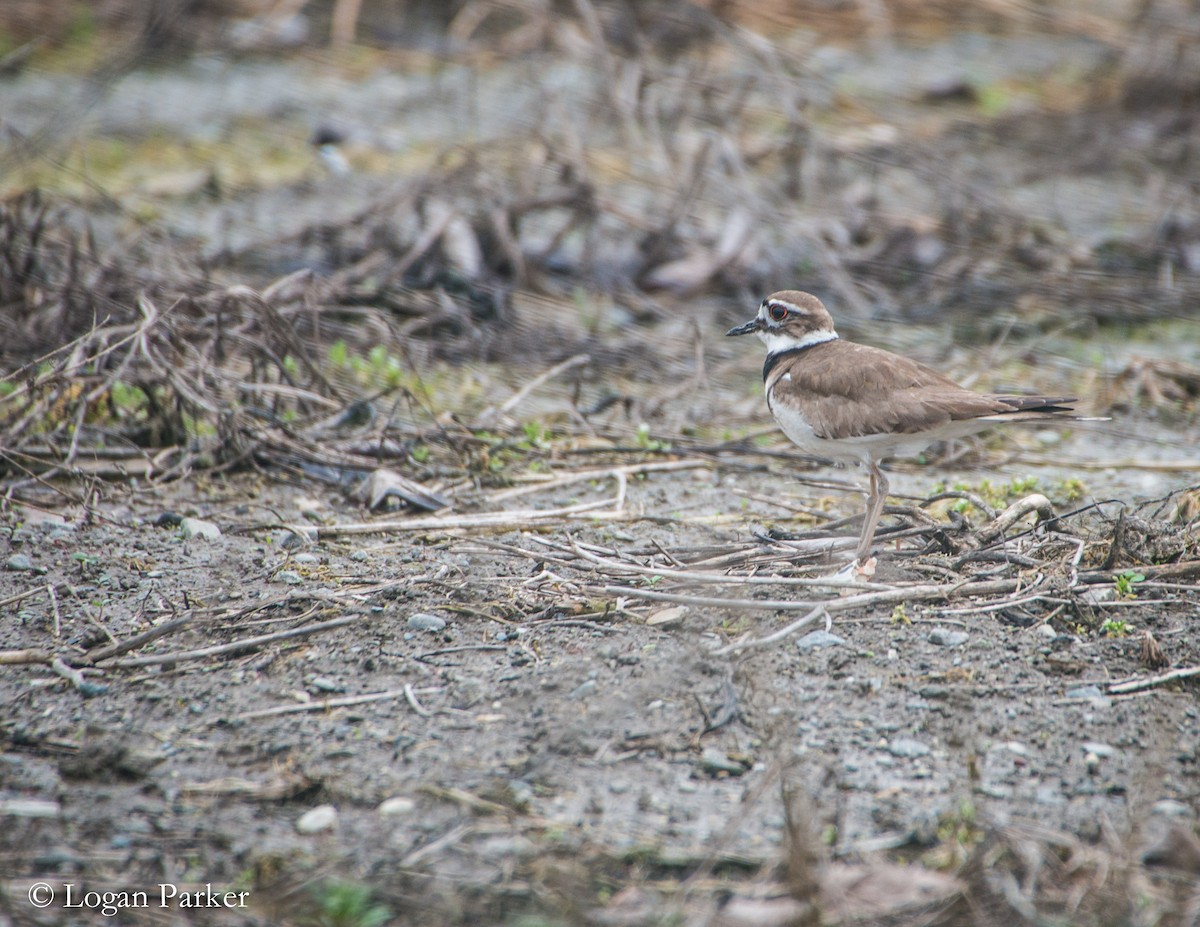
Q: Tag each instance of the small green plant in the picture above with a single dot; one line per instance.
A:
(344, 904)
(900, 615)
(997, 495)
(537, 436)
(960, 826)
(1022, 486)
(378, 368)
(644, 440)
(1115, 628)
(1073, 489)
(338, 353)
(89, 566)
(385, 366)
(1125, 582)
(958, 833)
(993, 100)
(128, 398)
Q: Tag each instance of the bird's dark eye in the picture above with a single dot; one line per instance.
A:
(777, 312)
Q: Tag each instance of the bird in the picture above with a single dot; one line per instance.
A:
(856, 404)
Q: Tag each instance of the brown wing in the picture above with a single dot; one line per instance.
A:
(849, 390)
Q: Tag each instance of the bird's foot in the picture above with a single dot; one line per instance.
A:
(857, 571)
(863, 569)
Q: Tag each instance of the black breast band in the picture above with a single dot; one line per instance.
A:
(774, 359)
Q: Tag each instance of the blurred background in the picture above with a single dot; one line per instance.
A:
(514, 182)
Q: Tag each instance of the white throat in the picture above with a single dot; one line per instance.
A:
(777, 342)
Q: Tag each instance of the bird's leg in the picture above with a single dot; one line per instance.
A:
(875, 501)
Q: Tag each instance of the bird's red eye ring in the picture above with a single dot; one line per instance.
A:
(777, 312)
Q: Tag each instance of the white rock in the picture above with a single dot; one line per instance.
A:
(29, 808)
(199, 529)
(316, 820)
(668, 617)
(423, 622)
(397, 806)
(1169, 807)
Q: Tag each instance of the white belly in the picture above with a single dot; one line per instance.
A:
(801, 434)
(864, 448)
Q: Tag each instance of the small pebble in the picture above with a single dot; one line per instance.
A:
(291, 577)
(294, 540)
(950, 88)
(715, 761)
(522, 792)
(325, 684)
(21, 562)
(668, 617)
(316, 820)
(423, 622)
(1084, 692)
(306, 559)
(199, 529)
(584, 690)
(359, 556)
(947, 638)
(1095, 594)
(815, 640)
(505, 847)
(396, 806)
(1101, 750)
(1047, 631)
(1170, 808)
(908, 747)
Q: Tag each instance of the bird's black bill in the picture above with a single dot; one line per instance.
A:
(746, 329)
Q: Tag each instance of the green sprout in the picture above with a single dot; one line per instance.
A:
(1125, 582)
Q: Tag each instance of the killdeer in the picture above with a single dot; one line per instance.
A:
(852, 403)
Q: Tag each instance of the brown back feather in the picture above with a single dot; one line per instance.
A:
(848, 390)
